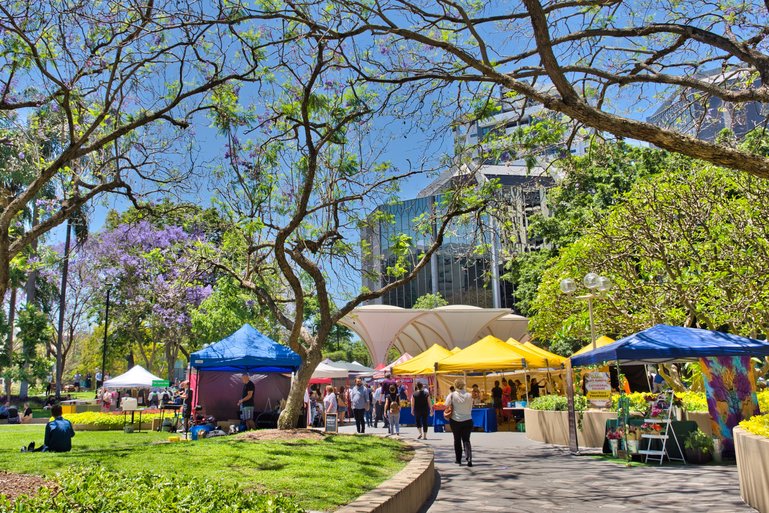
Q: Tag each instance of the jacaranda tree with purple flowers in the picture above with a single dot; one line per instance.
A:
(154, 288)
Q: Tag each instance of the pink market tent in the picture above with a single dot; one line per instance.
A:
(382, 372)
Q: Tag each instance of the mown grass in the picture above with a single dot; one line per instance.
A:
(319, 474)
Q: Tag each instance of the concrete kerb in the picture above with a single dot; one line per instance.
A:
(405, 492)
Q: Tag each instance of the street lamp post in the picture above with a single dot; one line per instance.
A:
(596, 285)
(104, 347)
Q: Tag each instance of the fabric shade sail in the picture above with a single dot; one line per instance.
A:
(663, 343)
(136, 377)
(488, 354)
(599, 342)
(246, 350)
(327, 370)
(538, 355)
(423, 363)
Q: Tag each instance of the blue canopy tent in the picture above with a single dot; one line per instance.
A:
(216, 383)
(663, 343)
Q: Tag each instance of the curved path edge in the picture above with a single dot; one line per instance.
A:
(405, 492)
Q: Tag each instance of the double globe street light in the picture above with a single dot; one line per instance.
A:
(597, 285)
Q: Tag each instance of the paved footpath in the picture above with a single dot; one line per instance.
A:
(513, 474)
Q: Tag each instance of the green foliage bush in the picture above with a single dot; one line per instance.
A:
(557, 403)
(692, 401)
(699, 441)
(98, 490)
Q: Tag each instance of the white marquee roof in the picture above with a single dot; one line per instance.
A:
(136, 377)
(413, 331)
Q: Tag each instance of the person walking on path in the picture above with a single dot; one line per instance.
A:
(421, 409)
(370, 411)
(461, 421)
(360, 404)
(393, 408)
(379, 413)
(246, 402)
(330, 404)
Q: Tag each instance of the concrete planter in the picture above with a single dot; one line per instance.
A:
(753, 468)
(552, 427)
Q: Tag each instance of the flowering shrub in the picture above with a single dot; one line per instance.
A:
(614, 434)
(758, 425)
(106, 420)
(692, 401)
(763, 401)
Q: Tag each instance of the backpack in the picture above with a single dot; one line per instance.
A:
(395, 406)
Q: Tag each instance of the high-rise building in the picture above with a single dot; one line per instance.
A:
(687, 111)
(456, 271)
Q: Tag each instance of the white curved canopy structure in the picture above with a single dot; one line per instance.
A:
(413, 331)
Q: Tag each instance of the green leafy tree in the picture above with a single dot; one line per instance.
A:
(429, 301)
(297, 193)
(685, 247)
(590, 186)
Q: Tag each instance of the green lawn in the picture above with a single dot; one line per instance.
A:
(320, 474)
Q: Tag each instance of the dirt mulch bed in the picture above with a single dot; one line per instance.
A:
(280, 435)
(13, 485)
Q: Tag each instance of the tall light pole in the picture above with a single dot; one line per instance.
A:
(596, 285)
(104, 347)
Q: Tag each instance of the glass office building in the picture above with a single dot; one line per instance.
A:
(455, 271)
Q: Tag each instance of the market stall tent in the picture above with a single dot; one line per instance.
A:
(216, 382)
(423, 363)
(382, 371)
(136, 377)
(599, 342)
(327, 370)
(538, 355)
(663, 343)
(488, 354)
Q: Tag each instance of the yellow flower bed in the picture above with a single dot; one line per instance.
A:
(111, 420)
(758, 425)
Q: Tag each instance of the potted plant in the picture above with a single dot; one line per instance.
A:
(698, 447)
(632, 440)
(614, 436)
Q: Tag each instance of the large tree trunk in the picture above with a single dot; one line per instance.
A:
(31, 290)
(62, 309)
(11, 322)
(290, 415)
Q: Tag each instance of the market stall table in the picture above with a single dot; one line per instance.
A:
(407, 419)
(484, 418)
(125, 421)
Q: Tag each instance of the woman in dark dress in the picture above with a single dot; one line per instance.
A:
(421, 409)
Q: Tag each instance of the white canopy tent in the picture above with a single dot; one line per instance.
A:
(136, 377)
(326, 370)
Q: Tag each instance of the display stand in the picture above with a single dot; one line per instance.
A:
(663, 437)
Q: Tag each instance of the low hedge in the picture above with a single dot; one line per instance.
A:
(98, 490)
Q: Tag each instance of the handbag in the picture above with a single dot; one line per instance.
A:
(448, 410)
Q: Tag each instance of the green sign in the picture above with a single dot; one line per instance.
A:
(160, 383)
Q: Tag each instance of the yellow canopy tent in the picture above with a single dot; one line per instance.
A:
(600, 342)
(488, 354)
(423, 363)
(552, 360)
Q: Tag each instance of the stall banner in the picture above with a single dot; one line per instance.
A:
(598, 388)
(730, 387)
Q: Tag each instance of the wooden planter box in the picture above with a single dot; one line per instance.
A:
(752, 453)
(552, 427)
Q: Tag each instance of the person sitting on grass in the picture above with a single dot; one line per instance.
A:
(58, 434)
(26, 417)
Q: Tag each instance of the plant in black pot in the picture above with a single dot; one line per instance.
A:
(698, 447)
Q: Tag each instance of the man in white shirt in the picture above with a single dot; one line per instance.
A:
(378, 405)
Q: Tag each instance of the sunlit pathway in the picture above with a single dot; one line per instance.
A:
(513, 474)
